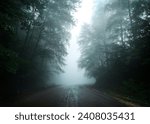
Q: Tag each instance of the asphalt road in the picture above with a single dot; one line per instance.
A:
(69, 96)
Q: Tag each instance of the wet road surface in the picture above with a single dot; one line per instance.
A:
(69, 96)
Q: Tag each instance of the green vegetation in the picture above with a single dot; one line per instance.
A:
(33, 35)
(116, 48)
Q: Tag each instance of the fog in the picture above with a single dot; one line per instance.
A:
(73, 75)
(107, 40)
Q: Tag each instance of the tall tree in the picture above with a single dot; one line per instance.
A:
(118, 56)
(34, 34)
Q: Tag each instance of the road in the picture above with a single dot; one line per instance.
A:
(69, 96)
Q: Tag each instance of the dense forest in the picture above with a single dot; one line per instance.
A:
(33, 38)
(116, 48)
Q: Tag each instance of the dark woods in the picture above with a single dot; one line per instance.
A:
(116, 48)
(33, 35)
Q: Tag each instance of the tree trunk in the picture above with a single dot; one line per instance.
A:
(121, 25)
(131, 20)
(106, 51)
(27, 36)
(121, 34)
(38, 40)
(37, 44)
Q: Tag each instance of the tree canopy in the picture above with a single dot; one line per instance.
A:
(33, 38)
(116, 48)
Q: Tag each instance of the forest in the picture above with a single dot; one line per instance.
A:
(115, 47)
(33, 38)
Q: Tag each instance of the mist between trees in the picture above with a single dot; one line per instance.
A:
(116, 48)
(33, 38)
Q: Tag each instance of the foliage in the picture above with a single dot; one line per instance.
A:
(115, 50)
(33, 38)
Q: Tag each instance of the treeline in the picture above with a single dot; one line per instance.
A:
(33, 35)
(116, 48)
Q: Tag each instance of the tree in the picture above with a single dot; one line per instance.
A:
(115, 49)
(33, 42)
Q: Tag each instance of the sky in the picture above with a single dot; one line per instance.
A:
(73, 75)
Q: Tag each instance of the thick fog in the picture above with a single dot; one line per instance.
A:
(72, 73)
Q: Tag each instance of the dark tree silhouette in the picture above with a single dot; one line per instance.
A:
(115, 48)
